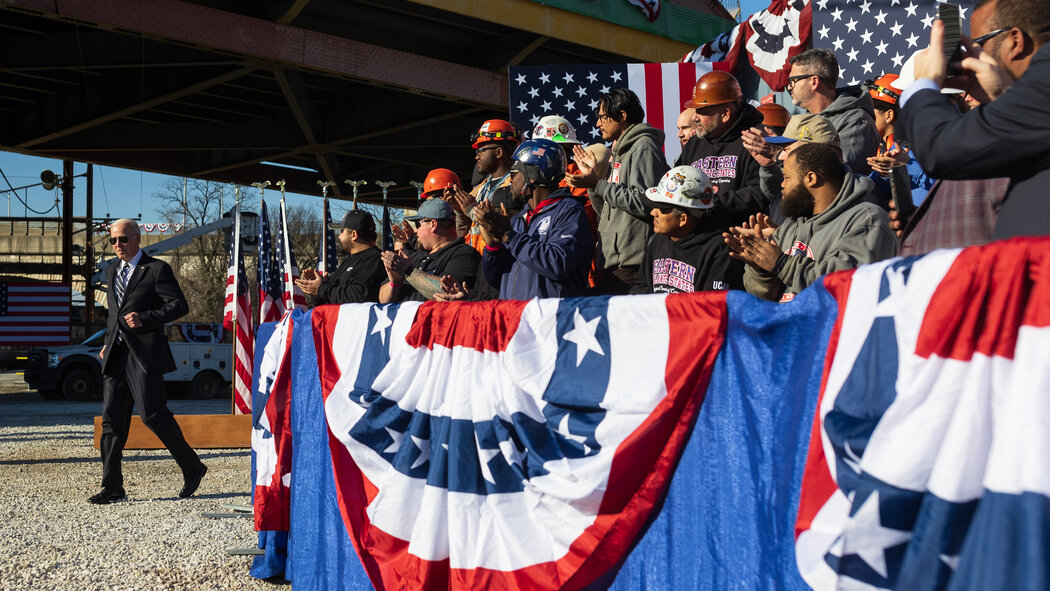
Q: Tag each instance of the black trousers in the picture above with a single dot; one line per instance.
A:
(125, 387)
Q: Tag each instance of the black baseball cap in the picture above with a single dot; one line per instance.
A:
(355, 219)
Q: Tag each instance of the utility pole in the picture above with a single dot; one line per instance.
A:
(89, 253)
(67, 221)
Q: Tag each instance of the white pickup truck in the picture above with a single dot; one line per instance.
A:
(75, 371)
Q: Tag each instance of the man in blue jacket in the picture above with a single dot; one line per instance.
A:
(545, 251)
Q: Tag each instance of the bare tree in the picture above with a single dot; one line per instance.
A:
(201, 265)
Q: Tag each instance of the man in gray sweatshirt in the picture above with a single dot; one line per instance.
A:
(830, 226)
(624, 225)
(814, 75)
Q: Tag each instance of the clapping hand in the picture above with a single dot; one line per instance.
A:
(494, 225)
(458, 199)
(404, 232)
(452, 291)
(309, 281)
(762, 151)
(396, 262)
(588, 177)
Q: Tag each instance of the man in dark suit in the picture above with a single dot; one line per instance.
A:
(1003, 138)
(143, 296)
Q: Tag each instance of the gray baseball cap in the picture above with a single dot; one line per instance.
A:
(433, 209)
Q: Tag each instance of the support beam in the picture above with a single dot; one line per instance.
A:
(178, 92)
(529, 15)
(299, 101)
(120, 136)
(210, 28)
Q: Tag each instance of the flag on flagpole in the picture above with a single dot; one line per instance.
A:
(237, 317)
(572, 92)
(327, 256)
(271, 302)
(291, 296)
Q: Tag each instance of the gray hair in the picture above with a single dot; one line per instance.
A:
(820, 62)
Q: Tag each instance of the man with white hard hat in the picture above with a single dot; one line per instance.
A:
(686, 253)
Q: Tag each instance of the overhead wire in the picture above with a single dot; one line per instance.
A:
(12, 190)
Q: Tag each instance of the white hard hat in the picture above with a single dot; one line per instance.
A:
(908, 76)
(557, 129)
(684, 187)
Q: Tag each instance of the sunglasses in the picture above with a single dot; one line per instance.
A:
(980, 41)
(123, 239)
(423, 221)
(480, 150)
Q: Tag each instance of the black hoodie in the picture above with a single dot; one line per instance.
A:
(698, 261)
(731, 168)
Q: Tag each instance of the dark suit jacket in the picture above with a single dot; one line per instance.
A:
(154, 293)
(1005, 138)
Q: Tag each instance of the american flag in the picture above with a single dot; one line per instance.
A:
(875, 37)
(271, 304)
(292, 297)
(237, 317)
(327, 257)
(34, 313)
(573, 92)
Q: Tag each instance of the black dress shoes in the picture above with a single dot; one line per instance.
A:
(107, 496)
(193, 480)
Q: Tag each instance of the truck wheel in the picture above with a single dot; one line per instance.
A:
(79, 386)
(207, 384)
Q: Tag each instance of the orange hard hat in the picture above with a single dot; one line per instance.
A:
(774, 115)
(494, 130)
(438, 179)
(885, 89)
(715, 88)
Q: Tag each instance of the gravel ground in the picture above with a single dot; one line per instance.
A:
(52, 538)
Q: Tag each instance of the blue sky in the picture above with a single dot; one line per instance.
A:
(118, 191)
(128, 193)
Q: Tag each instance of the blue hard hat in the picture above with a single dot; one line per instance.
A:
(541, 161)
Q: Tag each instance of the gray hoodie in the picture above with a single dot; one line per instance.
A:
(624, 225)
(853, 115)
(849, 233)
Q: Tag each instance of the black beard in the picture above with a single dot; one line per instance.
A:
(797, 204)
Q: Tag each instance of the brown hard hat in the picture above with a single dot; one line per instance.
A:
(715, 88)
(774, 115)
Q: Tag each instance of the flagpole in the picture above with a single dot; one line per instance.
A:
(286, 238)
(236, 288)
(262, 195)
(323, 263)
(388, 238)
(419, 193)
(355, 185)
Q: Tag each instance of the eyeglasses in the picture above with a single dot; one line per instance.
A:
(666, 210)
(123, 239)
(480, 150)
(793, 79)
(423, 221)
(980, 41)
(604, 116)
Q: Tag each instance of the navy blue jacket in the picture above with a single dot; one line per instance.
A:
(1004, 138)
(548, 258)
